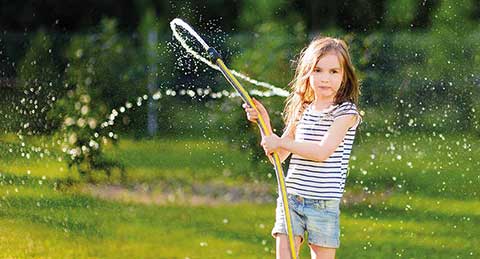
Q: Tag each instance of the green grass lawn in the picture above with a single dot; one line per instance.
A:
(437, 165)
(418, 217)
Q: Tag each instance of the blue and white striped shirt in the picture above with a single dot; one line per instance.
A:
(326, 179)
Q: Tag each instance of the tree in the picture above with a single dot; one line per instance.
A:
(101, 76)
(149, 41)
(39, 80)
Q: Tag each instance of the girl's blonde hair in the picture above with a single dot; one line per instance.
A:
(302, 94)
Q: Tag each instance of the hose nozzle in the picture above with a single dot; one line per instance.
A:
(214, 55)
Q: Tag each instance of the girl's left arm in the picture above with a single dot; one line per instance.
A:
(317, 151)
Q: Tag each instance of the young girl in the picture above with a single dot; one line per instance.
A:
(321, 118)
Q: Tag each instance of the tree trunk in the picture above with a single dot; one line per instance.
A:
(152, 124)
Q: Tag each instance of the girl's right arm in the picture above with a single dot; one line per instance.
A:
(252, 116)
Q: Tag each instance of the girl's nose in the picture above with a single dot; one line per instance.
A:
(324, 78)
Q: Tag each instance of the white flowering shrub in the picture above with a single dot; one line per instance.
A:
(83, 138)
(98, 76)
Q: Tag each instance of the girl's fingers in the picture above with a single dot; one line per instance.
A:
(267, 152)
(252, 118)
(251, 112)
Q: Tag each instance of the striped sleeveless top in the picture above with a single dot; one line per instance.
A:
(326, 179)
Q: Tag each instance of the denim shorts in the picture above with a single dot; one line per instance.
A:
(319, 218)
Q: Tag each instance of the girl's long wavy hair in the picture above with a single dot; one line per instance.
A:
(302, 94)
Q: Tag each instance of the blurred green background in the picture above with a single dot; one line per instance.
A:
(116, 143)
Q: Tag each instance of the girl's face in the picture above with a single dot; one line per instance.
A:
(326, 77)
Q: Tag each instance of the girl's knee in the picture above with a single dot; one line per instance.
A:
(322, 252)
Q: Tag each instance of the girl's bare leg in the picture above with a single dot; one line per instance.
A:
(283, 247)
(319, 252)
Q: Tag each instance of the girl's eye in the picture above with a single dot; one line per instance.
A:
(334, 72)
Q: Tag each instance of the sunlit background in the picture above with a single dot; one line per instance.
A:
(116, 142)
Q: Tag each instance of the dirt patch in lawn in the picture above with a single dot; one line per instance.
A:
(211, 194)
(197, 194)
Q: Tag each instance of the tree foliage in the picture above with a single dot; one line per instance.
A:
(100, 78)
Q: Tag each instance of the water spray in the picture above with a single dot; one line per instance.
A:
(179, 22)
(216, 58)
